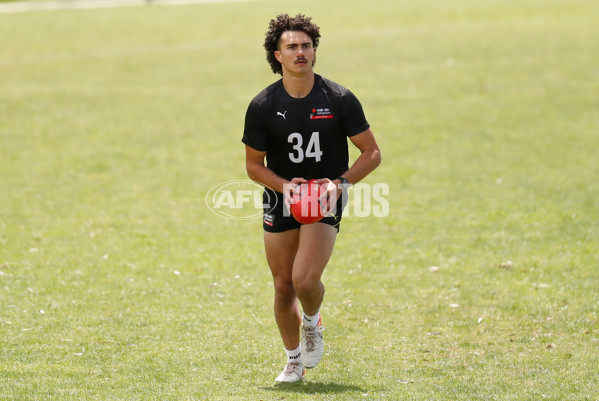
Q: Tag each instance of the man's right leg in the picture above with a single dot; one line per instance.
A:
(281, 249)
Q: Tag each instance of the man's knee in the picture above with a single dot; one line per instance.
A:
(306, 286)
(284, 291)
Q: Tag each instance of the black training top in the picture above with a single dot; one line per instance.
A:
(305, 137)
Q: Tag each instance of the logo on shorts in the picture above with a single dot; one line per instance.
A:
(240, 200)
(269, 219)
(320, 114)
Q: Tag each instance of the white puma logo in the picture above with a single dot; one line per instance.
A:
(282, 114)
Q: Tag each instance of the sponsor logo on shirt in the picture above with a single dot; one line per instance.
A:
(320, 114)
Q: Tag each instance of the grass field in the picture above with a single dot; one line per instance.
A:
(118, 283)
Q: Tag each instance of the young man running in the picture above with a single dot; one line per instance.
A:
(295, 130)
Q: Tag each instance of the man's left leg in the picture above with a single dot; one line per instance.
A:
(316, 242)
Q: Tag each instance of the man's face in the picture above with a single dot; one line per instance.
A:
(296, 53)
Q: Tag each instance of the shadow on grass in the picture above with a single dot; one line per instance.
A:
(314, 388)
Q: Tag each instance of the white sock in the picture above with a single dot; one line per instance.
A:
(294, 355)
(310, 321)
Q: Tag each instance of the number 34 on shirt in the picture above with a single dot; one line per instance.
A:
(312, 150)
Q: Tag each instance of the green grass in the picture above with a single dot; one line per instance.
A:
(117, 282)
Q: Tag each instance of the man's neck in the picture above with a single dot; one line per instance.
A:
(298, 86)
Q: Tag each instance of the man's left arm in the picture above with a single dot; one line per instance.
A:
(369, 159)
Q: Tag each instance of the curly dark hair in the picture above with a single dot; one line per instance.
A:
(283, 23)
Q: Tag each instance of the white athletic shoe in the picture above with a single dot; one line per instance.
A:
(312, 345)
(294, 372)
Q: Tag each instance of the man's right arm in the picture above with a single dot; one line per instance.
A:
(257, 171)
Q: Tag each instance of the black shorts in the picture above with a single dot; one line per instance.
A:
(277, 219)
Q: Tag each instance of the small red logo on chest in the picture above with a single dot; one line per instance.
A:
(319, 114)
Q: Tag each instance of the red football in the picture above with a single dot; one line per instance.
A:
(306, 208)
